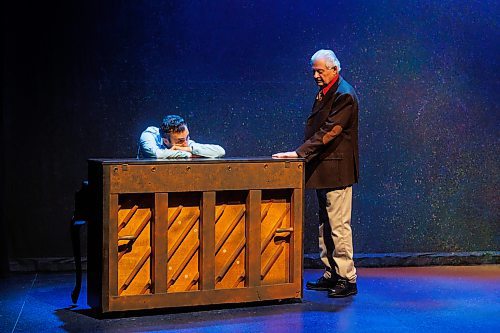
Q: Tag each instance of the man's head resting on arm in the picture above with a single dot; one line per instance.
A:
(171, 140)
(174, 131)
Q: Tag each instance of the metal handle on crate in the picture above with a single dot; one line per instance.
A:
(127, 238)
(283, 230)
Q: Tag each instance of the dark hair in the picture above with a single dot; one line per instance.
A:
(172, 123)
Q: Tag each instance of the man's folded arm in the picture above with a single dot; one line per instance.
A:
(169, 153)
(206, 150)
(149, 149)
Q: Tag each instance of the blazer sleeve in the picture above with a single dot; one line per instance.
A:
(340, 114)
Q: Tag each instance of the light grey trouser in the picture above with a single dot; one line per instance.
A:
(335, 234)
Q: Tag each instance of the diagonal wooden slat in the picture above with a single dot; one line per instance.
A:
(146, 287)
(184, 263)
(265, 211)
(193, 281)
(219, 214)
(135, 270)
(183, 235)
(230, 261)
(174, 216)
(239, 280)
(229, 230)
(272, 260)
(127, 217)
(276, 225)
(136, 234)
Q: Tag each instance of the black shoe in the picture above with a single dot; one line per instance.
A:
(343, 289)
(321, 284)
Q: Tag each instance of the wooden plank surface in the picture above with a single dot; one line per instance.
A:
(206, 297)
(172, 178)
(207, 265)
(253, 231)
(159, 243)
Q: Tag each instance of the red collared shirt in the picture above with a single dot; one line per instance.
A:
(325, 89)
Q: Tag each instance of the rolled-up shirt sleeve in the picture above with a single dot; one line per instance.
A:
(206, 150)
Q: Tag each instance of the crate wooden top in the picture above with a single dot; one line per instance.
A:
(198, 174)
(260, 159)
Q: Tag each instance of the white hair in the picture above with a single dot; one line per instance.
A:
(330, 58)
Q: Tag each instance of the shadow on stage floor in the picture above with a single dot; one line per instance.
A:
(409, 299)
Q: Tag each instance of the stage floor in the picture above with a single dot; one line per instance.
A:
(410, 299)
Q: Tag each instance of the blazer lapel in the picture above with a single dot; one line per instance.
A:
(318, 105)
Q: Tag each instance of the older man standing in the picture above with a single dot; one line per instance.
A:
(331, 153)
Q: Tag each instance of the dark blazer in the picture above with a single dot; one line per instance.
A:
(334, 164)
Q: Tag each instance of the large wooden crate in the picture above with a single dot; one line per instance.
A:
(177, 233)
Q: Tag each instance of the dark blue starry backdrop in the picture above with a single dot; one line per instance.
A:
(426, 73)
